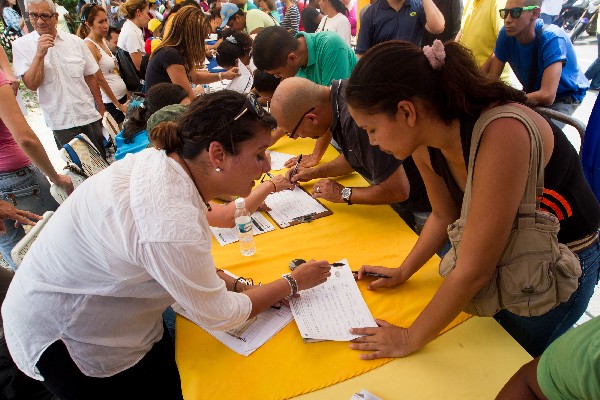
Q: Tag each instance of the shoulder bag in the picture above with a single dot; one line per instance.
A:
(535, 273)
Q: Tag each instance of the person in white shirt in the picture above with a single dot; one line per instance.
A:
(131, 38)
(335, 19)
(61, 68)
(64, 19)
(153, 10)
(84, 312)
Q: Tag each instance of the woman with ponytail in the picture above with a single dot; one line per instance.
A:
(131, 38)
(425, 103)
(93, 30)
(236, 45)
(335, 19)
(138, 240)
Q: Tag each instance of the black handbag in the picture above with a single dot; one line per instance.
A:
(129, 73)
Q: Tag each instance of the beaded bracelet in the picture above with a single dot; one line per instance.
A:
(292, 282)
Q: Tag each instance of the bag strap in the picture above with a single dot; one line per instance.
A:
(535, 182)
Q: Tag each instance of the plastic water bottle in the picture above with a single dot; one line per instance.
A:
(243, 225)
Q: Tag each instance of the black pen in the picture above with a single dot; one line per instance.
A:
(260, 228)
(296, 167)
(267, 174)
(337, 264)
(373, 274)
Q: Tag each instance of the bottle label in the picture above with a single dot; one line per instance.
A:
(244, 227)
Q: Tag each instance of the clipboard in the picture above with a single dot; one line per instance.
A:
(293, 207)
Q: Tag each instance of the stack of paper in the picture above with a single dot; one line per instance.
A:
(289, 207)
(328, 311)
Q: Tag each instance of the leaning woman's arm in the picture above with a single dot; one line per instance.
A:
(499, 183)
(26, 139)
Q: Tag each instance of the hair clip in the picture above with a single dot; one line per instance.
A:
(231, 39)
(142, 105)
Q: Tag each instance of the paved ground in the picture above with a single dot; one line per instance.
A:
(586, 49)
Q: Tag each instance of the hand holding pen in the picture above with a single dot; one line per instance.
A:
(295, 170)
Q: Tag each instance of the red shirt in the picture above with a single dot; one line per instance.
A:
(12, 158)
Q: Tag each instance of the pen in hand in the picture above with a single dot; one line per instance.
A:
(373, 274)
(295, 170)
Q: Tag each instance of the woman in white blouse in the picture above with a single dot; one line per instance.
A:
(335, 19)
(93, 31)
(131, 38)
(84, 311)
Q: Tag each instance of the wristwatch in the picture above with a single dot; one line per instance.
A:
(346, 193)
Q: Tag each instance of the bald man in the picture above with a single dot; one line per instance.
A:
(309, 110)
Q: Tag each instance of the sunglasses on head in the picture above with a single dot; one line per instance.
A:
(515, 12)
(251, 104)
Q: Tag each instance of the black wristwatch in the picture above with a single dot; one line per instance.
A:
(346, 193)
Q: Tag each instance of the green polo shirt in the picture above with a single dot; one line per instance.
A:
(329, 57)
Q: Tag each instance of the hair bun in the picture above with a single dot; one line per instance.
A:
(165, 136)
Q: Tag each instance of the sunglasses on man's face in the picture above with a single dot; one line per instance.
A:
(292, 134)
(515, 12)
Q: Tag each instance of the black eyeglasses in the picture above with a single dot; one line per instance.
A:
(292, 134)
(33, 17)
(515, 12)
(253, 105)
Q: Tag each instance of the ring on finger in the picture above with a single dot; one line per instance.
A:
(318, 189)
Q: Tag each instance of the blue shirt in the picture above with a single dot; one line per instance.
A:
(381, 23)
(554, 46)
(139, 142)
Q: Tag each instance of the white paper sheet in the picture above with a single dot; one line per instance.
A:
(243, 82)
(328, 311)
(289, 204)
(278, 160)
(364, 395)
(266, 325)
(229, 235)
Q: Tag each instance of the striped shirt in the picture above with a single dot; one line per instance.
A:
(291, 20)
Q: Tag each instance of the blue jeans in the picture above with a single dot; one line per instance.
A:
(536, 333)
(29, 190)
(593, 72)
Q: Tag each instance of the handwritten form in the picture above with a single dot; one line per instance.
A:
(328, 311)
(278, 160)
(243, 82)
(229, 235)
(288, 205)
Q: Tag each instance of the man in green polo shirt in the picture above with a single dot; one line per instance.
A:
(319, 57)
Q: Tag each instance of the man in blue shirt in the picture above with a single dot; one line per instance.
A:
(556, 80)
(398, 19)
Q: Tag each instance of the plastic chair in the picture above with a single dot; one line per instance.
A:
(81, 152)
(567, 119)
(111, 126)
(4, 263)
(21, 248)
(58, 192)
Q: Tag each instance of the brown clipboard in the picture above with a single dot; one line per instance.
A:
(308, 218)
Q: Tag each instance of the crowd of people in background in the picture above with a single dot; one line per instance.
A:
(397, 87)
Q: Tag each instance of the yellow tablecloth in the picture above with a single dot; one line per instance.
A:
(285, 366)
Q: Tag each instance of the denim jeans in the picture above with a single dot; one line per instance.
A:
(536, 333)
(593, 72)
(29, 190)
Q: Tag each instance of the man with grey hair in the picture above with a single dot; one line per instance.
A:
(61, 68)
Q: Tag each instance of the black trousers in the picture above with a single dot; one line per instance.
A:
(115, 112)
(154, 377)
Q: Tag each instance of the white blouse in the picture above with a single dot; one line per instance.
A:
(339, 24)
(126, 244)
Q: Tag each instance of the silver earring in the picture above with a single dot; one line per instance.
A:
(217, 170)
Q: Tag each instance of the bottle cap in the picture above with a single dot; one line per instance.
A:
(240, 202)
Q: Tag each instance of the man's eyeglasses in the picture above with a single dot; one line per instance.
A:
(515, 12)
(33, 17)
(292, 134)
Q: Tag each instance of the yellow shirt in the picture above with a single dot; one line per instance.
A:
(481, 23)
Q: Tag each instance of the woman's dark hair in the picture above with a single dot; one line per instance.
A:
(339, 6)
(397, 70)
(159, 96)
(234, 45)
(265, 82)
(3, 5)
(210, 118)
(179, 6)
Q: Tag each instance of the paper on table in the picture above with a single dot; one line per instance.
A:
(243, 82)
(229, 235)
(290, 204)
(278, 160)
(328, 311)
(266, 325)
(364, 395)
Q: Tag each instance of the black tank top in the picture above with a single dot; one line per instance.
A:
(566, 192)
